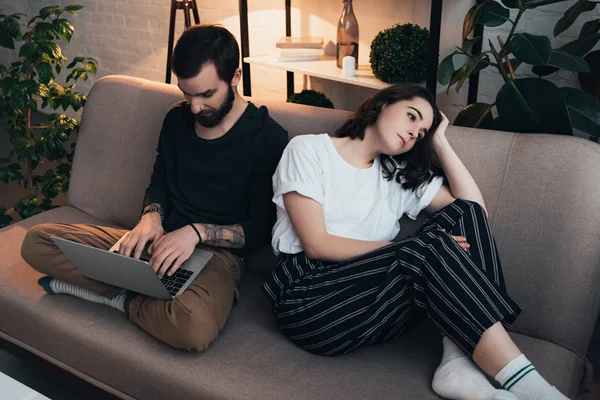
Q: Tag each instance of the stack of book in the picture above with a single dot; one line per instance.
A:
(299, 48)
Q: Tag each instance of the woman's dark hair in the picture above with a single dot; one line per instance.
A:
(421, 159)
(200, 44)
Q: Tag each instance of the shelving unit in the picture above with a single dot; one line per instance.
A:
(315, 68)
(325, 68)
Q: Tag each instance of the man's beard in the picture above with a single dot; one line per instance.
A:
(213, 118)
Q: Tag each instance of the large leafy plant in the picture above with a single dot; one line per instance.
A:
(530, 104)
(27, 85)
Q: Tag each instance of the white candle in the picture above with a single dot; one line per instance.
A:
(348, 64)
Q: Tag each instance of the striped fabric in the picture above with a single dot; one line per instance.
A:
(334, 308)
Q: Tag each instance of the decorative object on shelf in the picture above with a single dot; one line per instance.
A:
(28, 83)
(307, 48)
(527, 104)
(347, 35)
(186, 6)
(399, 54)
(311, 98)
(349, 64)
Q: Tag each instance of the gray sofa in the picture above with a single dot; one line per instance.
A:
(542, 193)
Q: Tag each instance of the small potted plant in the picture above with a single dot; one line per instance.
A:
(398, 54)
(311, 98)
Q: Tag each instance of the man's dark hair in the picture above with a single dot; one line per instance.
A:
(421, 159)
(200, 44)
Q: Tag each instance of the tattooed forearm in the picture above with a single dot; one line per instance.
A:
(231, 236)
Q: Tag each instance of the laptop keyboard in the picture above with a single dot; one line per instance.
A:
(174, 282)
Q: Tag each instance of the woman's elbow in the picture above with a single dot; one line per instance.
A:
(316, 247)
(313, 251)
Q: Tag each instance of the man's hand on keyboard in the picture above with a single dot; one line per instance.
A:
(148, 228)
(172, 250)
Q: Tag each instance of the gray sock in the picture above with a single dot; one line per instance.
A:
(57, 286)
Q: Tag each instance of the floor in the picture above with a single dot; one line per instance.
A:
(29, 376)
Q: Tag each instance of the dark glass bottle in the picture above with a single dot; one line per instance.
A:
(347, 35)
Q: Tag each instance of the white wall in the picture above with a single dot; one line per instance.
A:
(130, 37)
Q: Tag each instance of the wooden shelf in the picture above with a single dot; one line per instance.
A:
(326, 68)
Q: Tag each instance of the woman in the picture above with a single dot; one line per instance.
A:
(341, 283)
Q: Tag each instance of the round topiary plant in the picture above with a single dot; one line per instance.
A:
(311, 98)
(398, 54)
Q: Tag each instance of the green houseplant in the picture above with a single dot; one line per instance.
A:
(399, 54)
(28, 84)
(527, 104)
(311, 98)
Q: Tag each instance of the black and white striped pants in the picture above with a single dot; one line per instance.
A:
(333, 308)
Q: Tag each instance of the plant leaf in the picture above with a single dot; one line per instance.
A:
(537, 3)
(492, 14)
(532, 105)
(44, 71)
(42, 30)
(477, 115)
(43, 90)
(511, 3)
(584, 110)
(27, 49)
(543, 70)
(74, 62)
(446, 69)
(48, 11)
(455, 78)
(590, 81)
(589, 28)
(470, 20)
(467, 44)
(571, 15)
(74, 7)
(5, 219)
(580, 47)
(91, 67)
(568, 62)
(473, 66)
(531, 49)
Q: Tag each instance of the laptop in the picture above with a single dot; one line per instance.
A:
(130, 273)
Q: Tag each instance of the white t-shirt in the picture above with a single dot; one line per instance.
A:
(358, 203)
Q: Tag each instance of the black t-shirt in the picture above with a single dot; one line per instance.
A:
(225, 181)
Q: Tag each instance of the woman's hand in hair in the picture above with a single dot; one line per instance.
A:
(439, 136)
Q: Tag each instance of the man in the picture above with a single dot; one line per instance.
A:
(211, 188)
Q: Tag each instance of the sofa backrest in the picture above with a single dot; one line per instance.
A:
(542, 193)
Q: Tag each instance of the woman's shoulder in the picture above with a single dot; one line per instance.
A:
(312, 144)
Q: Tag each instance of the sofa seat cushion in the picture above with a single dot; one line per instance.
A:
(249, 360)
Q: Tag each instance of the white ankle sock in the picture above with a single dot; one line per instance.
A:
(62, 287)
(521, 378)
(459, 378)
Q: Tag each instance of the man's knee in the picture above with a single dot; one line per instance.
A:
(33, 246)
(196, 332)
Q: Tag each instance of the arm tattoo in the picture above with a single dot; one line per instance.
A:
(231, 236)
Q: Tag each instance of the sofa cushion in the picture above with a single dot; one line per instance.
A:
(249, 360)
